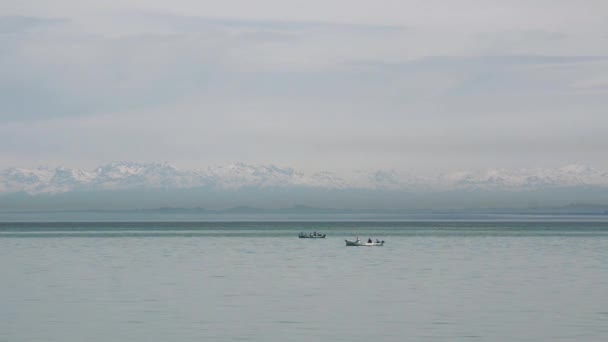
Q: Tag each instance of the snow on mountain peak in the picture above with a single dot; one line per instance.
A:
(129, 175)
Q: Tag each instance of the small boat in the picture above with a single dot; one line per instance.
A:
(314, 235)
(364, 243)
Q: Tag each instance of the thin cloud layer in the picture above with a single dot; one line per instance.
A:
(403, 85)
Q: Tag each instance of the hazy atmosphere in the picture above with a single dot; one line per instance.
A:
(400, 95)
(290, 170)
(316, 85)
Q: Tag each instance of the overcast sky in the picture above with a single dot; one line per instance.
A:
(422, 86)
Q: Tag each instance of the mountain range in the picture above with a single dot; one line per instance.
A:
(133, 186)
(237, 176)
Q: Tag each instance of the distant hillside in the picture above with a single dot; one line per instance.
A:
(306, 199)
(571, 209)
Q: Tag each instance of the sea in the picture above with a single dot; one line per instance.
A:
(503, 278)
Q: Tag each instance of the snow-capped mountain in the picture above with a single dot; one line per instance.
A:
(241, 175)
(526, 179)
(490, 180)
(130, 175)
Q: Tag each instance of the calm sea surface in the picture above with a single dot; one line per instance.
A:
(214, 281)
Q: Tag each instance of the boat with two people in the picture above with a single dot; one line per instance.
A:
(314, 235)
(369, 242)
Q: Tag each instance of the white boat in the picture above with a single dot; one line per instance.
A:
(311, 236)
(363, 243)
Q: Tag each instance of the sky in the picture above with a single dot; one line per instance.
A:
(423, 86)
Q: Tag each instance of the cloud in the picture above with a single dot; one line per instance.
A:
(18, 24)
(452, 88)
(592, 83)
(189, 23)
(72, 73)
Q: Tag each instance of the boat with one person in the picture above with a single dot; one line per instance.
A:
(369, 242)
(314, 235)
